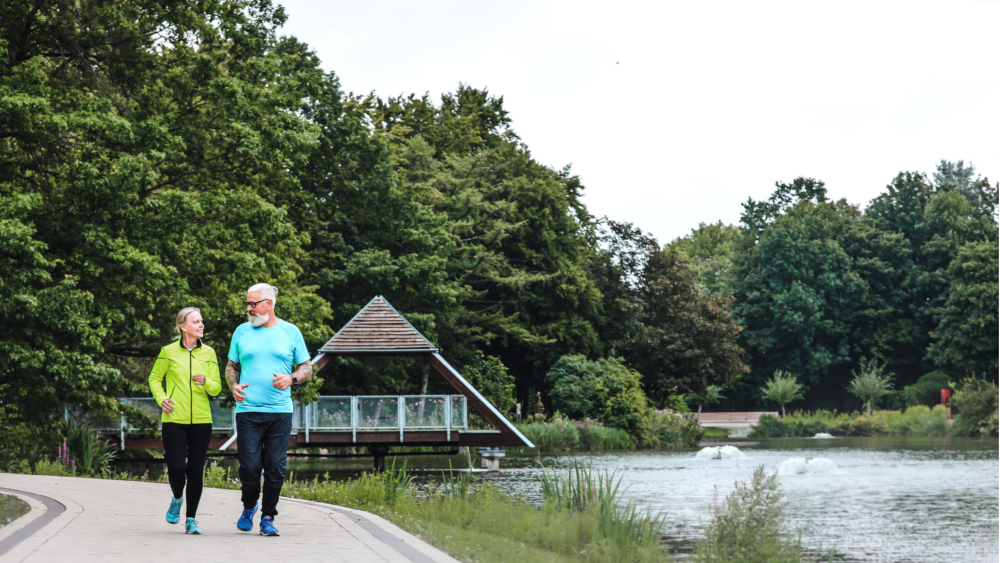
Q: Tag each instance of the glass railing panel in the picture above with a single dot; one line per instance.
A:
(378, 412)
(222, 418)
(95, 421)
(148, 407)
(425, 411)
(459, 411)
(330, 413)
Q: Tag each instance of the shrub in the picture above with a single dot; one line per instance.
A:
(620, 398)
(927, 389)
(748, 526)
(669, 429)
(89, 449)
(572, 382)
(976, 403)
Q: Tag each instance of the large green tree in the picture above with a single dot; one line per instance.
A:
(660, 320)
(965, 340)
(142, 144)
(519, 231)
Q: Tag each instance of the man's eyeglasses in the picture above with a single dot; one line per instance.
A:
(253, 304)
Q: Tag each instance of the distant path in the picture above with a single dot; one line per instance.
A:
(76, 519)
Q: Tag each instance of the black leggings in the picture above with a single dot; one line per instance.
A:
(191, 441)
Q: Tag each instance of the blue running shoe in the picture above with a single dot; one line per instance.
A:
(267, 526)
(245, 522)
(191, 527)
(174, 512)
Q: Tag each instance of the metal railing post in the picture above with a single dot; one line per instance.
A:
(305, 413)
(354, 418)
(400, 415)
(447, 417)
(122, 428)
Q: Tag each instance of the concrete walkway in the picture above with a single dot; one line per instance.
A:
(76, 519)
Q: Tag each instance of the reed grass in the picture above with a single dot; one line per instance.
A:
(570, 436)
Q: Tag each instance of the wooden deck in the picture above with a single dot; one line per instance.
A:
(474, 438)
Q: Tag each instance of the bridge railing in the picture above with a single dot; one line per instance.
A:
(330, 413)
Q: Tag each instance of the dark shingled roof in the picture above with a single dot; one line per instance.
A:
(378, 329)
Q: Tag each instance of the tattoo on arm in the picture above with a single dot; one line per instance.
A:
(233, 372)
(304, 371)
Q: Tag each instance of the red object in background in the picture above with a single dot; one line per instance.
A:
(945, 395)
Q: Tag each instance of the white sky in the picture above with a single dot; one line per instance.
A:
(674, 113)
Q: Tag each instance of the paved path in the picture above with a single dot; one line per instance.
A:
(76, 519)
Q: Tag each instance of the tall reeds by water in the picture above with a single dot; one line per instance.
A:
(623, 525)
(571, 436)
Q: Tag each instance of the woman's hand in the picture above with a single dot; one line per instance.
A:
(198, 378)
(167, 406)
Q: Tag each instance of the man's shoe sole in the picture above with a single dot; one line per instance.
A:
(274, 534)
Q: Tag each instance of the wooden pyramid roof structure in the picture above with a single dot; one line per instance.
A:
(378, 329)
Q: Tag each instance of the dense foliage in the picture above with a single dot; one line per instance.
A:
(156, 155)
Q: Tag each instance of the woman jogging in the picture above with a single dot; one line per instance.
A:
(192, 374)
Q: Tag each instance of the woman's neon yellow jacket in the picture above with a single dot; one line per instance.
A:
(177, 364)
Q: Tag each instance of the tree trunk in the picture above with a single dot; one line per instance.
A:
(782, 411)
(699, 409)
(869, 407)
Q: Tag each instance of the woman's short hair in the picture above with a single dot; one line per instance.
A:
(266, 291)
(183, 315)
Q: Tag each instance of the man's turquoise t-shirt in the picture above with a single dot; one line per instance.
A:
(263, 352)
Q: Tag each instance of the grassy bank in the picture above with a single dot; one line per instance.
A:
(11, 508)
(914, 421)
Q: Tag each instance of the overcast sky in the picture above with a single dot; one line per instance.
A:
(673, 113)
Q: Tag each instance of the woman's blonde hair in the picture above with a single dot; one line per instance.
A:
(182, 317)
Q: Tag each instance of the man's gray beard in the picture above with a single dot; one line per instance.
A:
(258, 320)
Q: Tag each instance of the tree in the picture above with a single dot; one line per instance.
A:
(490, 377)
(965, 340)
(142, 145)
(680, 337)
(519, 228)
(821, 288)
(572, 384)
(620, 398)
(711, 248)
(782, 389)
(712, 395)
(870, 383)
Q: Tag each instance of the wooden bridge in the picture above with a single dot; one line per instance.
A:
(375, 422)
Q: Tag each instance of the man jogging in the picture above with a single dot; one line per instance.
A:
(261, 357)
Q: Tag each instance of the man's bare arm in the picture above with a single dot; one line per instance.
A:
(304, 371)
(233, 372)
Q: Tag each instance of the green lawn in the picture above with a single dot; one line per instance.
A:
(711, 432)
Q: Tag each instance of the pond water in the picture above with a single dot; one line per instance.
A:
(870, 499)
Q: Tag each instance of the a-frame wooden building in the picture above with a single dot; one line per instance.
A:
(379, 330)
